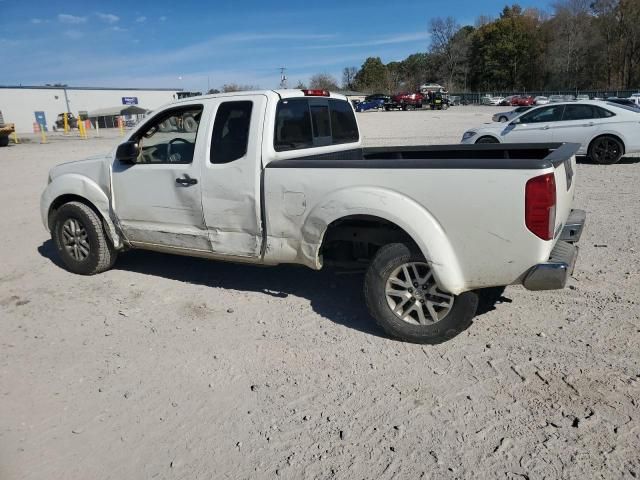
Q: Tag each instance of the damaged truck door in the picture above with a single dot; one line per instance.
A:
(157, 196)
(231, 177)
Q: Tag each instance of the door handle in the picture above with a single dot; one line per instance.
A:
(186, 181)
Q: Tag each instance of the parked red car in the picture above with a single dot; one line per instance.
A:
(524, 101)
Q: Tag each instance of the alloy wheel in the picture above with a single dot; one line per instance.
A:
(413, 295)
(75, 240)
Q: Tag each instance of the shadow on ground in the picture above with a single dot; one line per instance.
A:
(623, 161)
(334, 294)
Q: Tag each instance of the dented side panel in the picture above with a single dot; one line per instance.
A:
(231, 191)
(469, 224)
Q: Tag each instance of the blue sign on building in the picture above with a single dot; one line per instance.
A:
(129, 100)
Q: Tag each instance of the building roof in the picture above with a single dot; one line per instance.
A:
(62, 87)
(121, 110)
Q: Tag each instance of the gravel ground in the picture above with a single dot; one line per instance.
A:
(172, 367)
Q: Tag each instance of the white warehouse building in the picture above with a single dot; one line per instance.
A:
(25, 105)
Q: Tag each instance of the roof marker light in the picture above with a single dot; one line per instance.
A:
(316, 93)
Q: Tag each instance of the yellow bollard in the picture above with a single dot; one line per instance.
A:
(66, 124)
(81, 130)
(43, 135)
(121, 125)
(16, 140)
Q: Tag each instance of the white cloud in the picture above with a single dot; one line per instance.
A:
(163, 18)
(118, 29)
(390, 40)
(73, 34)
(108, 17)
(141, 19)
(36, 21)
(72, 19)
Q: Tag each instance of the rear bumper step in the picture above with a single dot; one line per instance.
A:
(553, 274)
(572, 229)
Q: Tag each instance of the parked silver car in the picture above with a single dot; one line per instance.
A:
(506, 116)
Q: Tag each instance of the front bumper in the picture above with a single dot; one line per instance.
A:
(553, 274)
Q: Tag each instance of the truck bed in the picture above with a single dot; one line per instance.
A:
(462, 204)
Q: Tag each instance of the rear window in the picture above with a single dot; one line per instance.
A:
(320, 120)
(305, 123)
(343, 122)
(624, 107)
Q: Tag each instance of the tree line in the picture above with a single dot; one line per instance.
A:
(579, 45)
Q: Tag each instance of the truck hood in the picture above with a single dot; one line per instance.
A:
(92, 167)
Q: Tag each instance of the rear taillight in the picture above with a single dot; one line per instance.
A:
(316, 93)
(540, 205)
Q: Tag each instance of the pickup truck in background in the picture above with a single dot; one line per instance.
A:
(280, 176)
(405, 101)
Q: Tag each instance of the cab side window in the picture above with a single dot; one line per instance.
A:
(552, 113)
(170, 137)
(231, 132)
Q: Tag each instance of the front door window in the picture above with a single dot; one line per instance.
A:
(170, 138)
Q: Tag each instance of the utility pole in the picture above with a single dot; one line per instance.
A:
(283, 77)
(66, 97)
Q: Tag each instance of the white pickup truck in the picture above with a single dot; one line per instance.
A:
(280, 176)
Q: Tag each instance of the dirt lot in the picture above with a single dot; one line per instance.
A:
(171, 367)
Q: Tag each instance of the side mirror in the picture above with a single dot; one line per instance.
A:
(127, 152)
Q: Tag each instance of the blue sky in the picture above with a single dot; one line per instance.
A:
(190, 44)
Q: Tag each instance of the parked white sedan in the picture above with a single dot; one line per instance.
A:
(605, 131)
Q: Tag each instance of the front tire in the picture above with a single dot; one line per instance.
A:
(487, 139)
(503, 119)
(402, 296)
(606, 150)
(80, 240)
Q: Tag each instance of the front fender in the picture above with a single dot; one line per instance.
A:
(394, 207)
(84, 187)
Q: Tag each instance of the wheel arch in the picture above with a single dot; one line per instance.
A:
(72, 187)
(607, 134)
(391, 208)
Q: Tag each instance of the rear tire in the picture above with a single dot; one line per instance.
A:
(80, 240)
(502, 119)
(4, 141)
(606, 150)
(403, 298)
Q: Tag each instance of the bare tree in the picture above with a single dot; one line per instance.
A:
(349, 77)
(323, 81)
(234, 87)
(300, 85)
(446, 43)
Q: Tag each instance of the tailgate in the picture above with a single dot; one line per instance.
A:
(564, 162)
